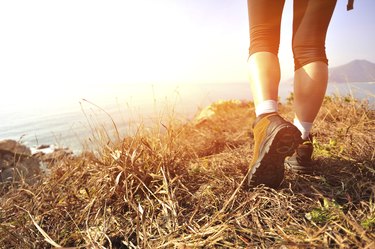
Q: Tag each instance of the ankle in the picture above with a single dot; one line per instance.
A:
(266, 107)
(303, 127)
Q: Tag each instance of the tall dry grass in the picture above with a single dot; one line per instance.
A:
(178, 185)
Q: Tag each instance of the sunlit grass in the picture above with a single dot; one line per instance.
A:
(176, 184)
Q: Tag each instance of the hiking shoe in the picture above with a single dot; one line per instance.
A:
(300, 161)
(274, 139)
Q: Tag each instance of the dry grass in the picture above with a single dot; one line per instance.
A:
(181, 188)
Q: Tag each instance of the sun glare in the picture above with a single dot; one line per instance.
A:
(55, 44)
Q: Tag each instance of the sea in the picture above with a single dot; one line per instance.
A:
(80, 118)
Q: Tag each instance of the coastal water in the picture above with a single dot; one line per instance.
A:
(70, 117)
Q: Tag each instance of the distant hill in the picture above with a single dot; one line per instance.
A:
(354, 71)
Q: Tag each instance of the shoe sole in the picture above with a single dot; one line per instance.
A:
(269, 167)
(297, 168)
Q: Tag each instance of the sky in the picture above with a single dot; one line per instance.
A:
(53, 44)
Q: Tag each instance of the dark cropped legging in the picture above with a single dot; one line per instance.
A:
(310, 23)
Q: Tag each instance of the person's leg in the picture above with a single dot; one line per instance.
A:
(310, 24)
(310, 83)
(274, 137)
(264, 77)
(263, 63)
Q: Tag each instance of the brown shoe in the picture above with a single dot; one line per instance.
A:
(274, 139)
(300, 161)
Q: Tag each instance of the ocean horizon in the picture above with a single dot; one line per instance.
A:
(71, 120)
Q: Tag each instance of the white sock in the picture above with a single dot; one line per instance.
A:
(266, 106)
(303, 127)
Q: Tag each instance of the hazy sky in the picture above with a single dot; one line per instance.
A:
(54, 44)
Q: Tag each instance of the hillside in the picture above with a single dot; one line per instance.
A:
(354, 71)
(178, 185)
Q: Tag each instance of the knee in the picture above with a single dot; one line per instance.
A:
(264, 39)
(307, 52)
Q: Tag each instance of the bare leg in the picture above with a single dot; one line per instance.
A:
(310, 25)
(264, 76)
(263, 63)
(310, 84)
(274, 137)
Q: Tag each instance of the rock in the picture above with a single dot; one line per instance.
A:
(20, 172)
(57, 154)
(16, 162)
(39, 155)
(43, 146)
(32, 165)
(14, 147)
(219, 109)
(6, 159)
(7, 175)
